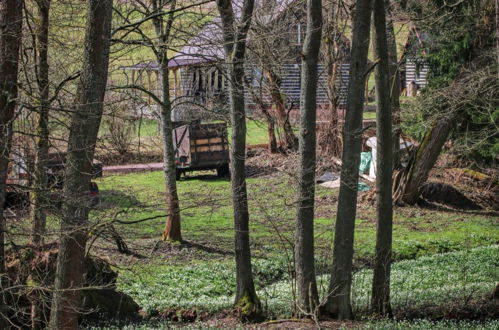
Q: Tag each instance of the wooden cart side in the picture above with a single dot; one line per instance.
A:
(181, 137)
(209, 144)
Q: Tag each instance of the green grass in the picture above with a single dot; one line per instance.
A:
(142, 128)
(256, 131)
(369, 115)
(207, 216)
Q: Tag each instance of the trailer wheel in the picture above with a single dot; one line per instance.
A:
(223, 171)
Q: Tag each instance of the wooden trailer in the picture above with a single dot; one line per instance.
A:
(201, 147)
(19, 178)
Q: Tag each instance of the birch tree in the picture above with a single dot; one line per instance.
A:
(338, 302)
(84, 126)
(308, 298)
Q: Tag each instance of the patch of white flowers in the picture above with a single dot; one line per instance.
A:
(425, 281)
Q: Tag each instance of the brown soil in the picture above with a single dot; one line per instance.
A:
(484, 193)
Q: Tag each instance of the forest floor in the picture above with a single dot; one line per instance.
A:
(445, 269)
(446, 259)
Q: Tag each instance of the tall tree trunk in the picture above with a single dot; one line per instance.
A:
(290, 141)
(40, 198)
(163, 27)
(10, 36)
(380, 301)
(172, 230)
(338, 302)
(394, 83)
(84, 128)
(235, 49)
(308, 298)
(40, 183)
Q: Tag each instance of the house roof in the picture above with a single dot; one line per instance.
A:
(207, 46)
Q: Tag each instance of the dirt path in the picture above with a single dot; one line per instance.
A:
(131, 168)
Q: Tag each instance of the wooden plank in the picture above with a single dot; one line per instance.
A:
(208, 141)
(215, 140)
(207, 148)
(200, 141)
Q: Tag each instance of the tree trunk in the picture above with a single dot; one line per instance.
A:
(235, 48)
(331, 142)
(162, 27)
(10, 36)
(40, 198)
(380, 301)
(172, 230)
(84, 128)
(290, 141)
(394, 83)
(40, 183)
(338, 302)
(270, 125)
(270, 131)
(308, 298)
(408, 182)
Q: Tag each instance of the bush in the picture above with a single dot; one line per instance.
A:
(120, 132)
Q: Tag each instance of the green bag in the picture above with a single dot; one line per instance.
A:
(365, 161)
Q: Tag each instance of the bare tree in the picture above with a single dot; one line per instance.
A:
(289, 141)
(163, 29)
(384, 164)
(235, 32)
(84, 128)
(308, 298)
(10, 36)
(338, 303)
(270, 47)
(333, 53)
(167, 34)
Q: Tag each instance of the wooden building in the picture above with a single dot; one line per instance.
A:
(197, 75)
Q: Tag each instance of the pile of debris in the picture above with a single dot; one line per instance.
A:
(28, 288)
